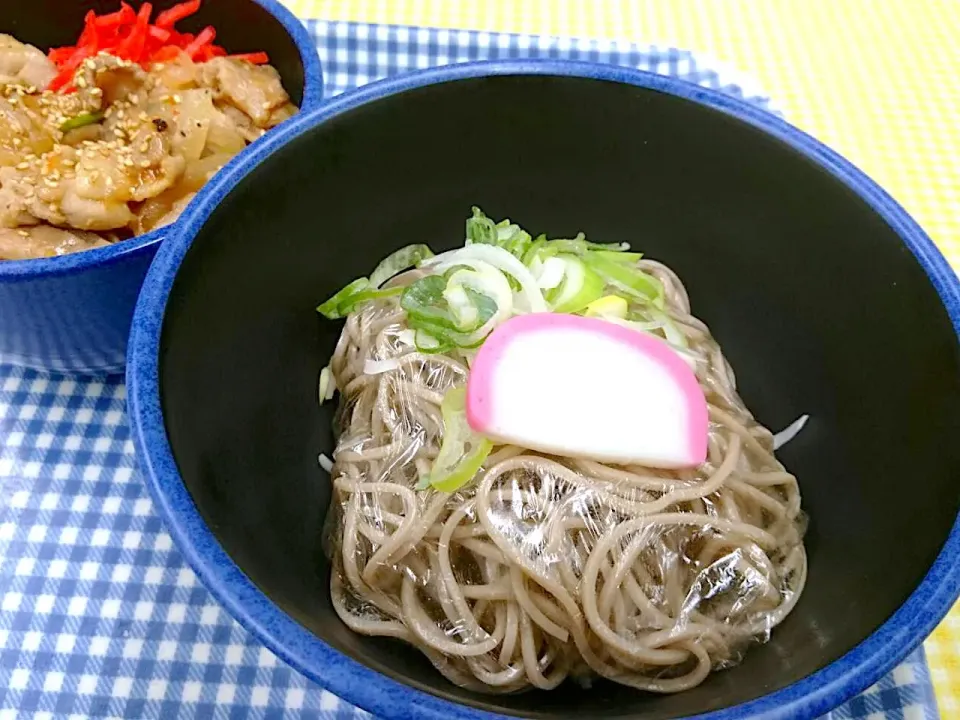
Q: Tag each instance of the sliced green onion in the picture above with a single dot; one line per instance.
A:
(551, 272)
(464, 312)
(486, 280)
(580, 287)
(681, 349)
(428, 310)
(448, 338)
(631, 280)
(353, 295)
(498, 258)
(424, 300)
(485, 288)
(580, 246)
(577, 246)
(670, 330)
(462, 451)
(470, 309)
(427, 343)
(626, 258)
(486, 306)
(481, 230)
(505, 230)
(82, 120)
(513, 238)
(395, 263)
(460, 296)
(534, 250)
(372, 294)
(335, 307)
(327, 386)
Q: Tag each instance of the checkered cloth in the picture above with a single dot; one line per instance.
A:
(99, 615)
(354, 54)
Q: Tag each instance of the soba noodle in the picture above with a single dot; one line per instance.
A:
(544, 568)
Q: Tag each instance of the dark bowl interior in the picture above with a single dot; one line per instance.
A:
(819, 305)
(242, 26)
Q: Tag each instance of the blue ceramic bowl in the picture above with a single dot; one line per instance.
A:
(813, 279)
(72, 313)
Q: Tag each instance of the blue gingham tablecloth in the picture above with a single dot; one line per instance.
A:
(99, 615)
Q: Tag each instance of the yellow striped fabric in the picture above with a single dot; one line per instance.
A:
(877, 81)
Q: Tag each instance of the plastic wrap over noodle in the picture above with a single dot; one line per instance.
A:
(545, 568)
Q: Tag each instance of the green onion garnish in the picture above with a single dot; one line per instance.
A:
(459, 297)
(82, 120)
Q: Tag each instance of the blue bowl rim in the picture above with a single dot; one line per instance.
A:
(25, 270)
(809, 697)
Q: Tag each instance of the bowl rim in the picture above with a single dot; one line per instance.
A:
(26, 270)
(809, 697)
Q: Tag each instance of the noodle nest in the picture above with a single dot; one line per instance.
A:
(546, 568)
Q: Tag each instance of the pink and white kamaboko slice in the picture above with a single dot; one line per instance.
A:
(641, 404)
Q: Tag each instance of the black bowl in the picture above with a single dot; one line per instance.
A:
(826, 297)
